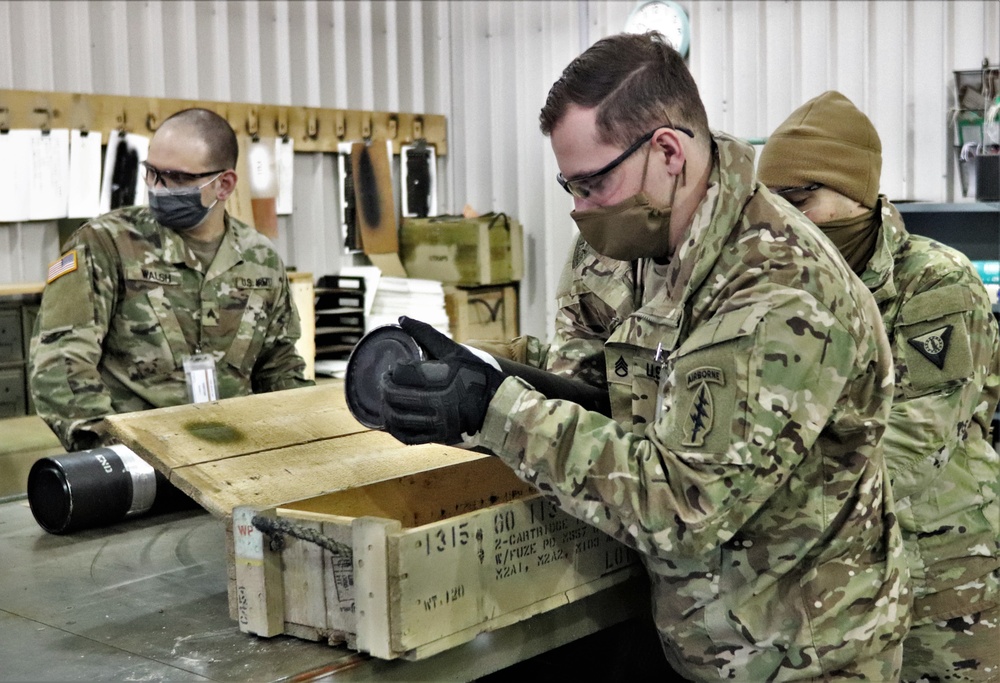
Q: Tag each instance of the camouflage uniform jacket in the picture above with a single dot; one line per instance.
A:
(755, 492)
(945, 473)
(111, 335)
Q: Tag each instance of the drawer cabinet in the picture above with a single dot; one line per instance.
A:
(11, 335)
(13, 391)
(17, 319)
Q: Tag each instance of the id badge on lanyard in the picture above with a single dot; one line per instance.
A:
(202, 382)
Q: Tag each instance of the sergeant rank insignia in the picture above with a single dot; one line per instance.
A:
(701, 414)
(621, 367)
(933, 345)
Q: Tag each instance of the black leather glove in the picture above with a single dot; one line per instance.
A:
(439, 399)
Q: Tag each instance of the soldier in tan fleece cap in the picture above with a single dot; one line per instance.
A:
(825, 159)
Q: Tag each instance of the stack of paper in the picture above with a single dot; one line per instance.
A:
(419, 299)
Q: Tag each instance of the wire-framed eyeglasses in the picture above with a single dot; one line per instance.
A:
(579, 186)
(155, 176)
(812, 187)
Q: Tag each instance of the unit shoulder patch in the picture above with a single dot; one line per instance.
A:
(933, 345)
(701, 412)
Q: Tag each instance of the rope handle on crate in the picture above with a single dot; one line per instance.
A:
(498, 216)
(494, 311)
(494, 217)
(275, 528)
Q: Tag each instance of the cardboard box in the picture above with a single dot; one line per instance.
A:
(485, 250)
(304, 296)
(416, 565)
(482, 312)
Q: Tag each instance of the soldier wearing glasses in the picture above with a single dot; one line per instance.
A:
(750, 384)
(162, 305)
(826, 160)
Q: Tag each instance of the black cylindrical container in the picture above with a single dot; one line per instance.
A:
(377, 351)
(89, 488)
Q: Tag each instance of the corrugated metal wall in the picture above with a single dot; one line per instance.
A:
(487, 66)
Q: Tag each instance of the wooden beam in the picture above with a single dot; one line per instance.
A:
(313, 129)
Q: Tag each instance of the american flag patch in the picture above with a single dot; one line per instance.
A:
(67, 264)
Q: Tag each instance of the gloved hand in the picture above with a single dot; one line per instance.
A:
(440, 399)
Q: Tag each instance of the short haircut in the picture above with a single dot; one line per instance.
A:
(636, 81)
(218, 135)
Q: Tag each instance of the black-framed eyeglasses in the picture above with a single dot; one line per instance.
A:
(154, 176)
(812, 187)
(578, 187)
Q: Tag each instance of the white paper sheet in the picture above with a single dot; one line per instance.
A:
(84, 174)
(284, 154)
(263, 170)
(15, 150)
(48, 193)
(343, 166)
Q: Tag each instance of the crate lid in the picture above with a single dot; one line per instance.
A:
(268, 449)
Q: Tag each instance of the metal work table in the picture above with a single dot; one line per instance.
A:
(147, 600)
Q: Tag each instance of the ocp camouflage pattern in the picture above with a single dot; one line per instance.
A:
(754, 487)
(945, 473)
(111, 336)
(956, 649)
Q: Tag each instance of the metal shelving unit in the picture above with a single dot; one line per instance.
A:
(974, 131)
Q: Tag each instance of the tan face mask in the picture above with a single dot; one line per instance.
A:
(854, 238)
(630, 229)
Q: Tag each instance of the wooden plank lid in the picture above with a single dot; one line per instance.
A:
(268, 449)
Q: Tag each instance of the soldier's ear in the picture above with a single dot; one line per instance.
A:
(667, 145)
(226, 185)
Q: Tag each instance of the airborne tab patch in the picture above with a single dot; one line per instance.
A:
(701, 413)
(706, 374)
(933, 345)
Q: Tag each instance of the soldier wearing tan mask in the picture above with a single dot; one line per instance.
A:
(748, 378)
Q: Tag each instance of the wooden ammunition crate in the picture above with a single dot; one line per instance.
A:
(398, 551)
(484, 250)
(482, 312)
(415, 565)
